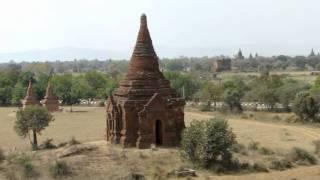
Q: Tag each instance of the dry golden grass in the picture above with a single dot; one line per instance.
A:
(111, 162)
(85, 124)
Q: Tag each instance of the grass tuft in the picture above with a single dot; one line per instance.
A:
(59, 169)
(302, 157)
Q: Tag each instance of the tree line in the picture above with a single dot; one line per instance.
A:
(70, 88)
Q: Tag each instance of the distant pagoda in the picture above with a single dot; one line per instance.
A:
(239, 55)
(50, 101)
(30, 99)
(312, 54)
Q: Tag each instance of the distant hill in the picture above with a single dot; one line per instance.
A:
(64, 53)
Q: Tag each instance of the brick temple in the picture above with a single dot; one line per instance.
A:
(144, 110)
(50, 101)
(29, 99)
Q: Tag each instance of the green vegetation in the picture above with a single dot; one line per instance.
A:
(32, 119)
(306, 107)
(208, 143)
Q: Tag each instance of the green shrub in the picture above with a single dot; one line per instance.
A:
(306, 107)
(207, 143)
(301, 157)
(59, 169)
(191, 142)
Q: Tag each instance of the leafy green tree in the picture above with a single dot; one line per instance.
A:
(62, 85)
(18, 94)
(5, 89)
(233, 94)
(264, 89)
(40, 85)
(97, 81)
(288, 91)
(232, 98)
(305, 107)
(210, 92)
(32, 119)
(25, 77)
(184, 84)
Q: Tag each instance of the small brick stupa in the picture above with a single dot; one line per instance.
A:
(144, 110)
(30, 99)
(50, 101)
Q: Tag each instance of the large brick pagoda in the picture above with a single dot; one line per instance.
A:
(144, 110)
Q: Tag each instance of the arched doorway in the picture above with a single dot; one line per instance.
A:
(158, 132)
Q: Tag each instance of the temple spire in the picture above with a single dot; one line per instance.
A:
(29, 99)
(30, 91)
(144, 46)
(144, 61)
(312, 54)
(50, 101)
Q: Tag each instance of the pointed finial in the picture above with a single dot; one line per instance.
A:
(143, 19)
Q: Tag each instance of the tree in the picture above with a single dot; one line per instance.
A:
(233, 94)
(41, 85)
(97, 81)
(210, 92)
(264, 89)
(32, 119)
(5, 89)
(232, 97)
(18, 93)
(184, 84)
(288, 91)
(305, 107)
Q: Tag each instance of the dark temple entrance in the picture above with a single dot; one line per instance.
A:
(158, 132)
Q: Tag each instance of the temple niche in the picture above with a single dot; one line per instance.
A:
(50, 101)
(144, 110)
(30, 99)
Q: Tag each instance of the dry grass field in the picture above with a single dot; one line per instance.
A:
(85, 124)
(104, 161)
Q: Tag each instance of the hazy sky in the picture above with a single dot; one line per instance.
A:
(265, 26)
